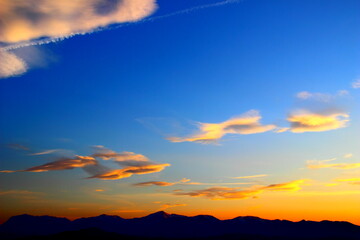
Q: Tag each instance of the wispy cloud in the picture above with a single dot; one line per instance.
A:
(124, 157)
(356, 84)
(21, 147)
(355, 181)
(322, 97)
(221, 193)
(252, 176)
(160, 183)
(99, 190)
(17, 192)
(130, 162)
(21, 194)
(44, 152)
(247, 123)
(129, 171)
(171, 205)
(307, 121)
(51, 21)
(23, 22)
(18, 146)
(11, 65)
(63, 164)
(318, 164)
(27, 20)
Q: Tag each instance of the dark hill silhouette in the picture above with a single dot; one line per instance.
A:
(169, 226)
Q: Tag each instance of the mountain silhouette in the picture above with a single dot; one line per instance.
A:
(169, 226)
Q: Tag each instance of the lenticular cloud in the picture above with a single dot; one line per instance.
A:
(31, 19)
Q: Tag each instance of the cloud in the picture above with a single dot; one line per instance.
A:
(253, 176)
(160, 183)
(322, 97)
(348, 155)
(21, 194)
(99, 190)
(44, 152)
(11, 65)
(134, 164)
(221, 193)
(289, 186)
(306, 121)
(356, 84)
(129, 171)
(318, 164)
(169, 205)
(32, 19)
(63, 164)
(247, 123)
(17, 146)
(123, 157)
(355, 181)
(25, 21)
(17, 192)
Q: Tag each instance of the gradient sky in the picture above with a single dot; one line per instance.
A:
(278, 80)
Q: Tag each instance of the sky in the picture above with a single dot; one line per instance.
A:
(229, 108)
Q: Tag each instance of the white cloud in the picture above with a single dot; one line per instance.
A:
(11, 65)
(356, 84)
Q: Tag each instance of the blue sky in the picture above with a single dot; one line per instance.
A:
(130, 87)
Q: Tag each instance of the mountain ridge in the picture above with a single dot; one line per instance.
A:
(165, 225)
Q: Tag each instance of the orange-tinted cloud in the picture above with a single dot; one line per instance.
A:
(31, 19)
(252, 176)
(289, 186)
(63, 164)
(132, 163)
(129, 171)
(314, 164)
(355, 181)
(248, 123)
(17, 192)
(169, 205)
(221, 193)
(306, 121)
(24, 22)
(161, 183)
(123, 157)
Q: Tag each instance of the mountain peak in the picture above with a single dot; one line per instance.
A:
(158, 215)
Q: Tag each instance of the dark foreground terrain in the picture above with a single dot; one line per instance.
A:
(166, 226)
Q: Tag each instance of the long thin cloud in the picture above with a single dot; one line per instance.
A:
(222, 193)
(60, 38)
(161, 183)
(129, 171)
(333, 165)
(252, 176)
(63, 164)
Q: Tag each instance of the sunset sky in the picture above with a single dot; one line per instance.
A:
(229, 108)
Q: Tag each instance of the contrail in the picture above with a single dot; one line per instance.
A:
(57, 39)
